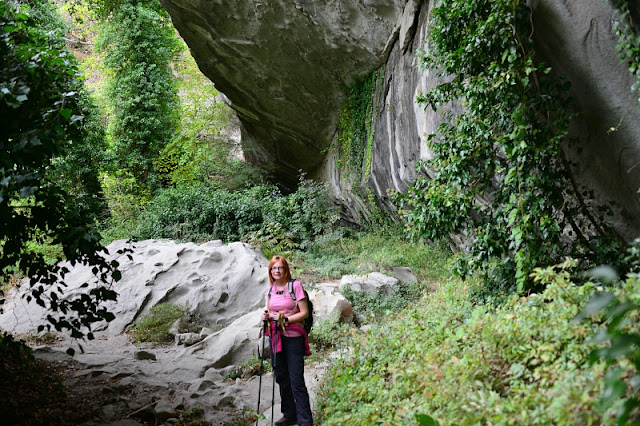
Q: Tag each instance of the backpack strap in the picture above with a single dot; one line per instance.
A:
(291, 292)
(293, 295)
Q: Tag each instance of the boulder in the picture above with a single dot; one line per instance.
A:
(219, 282)
(404, 275)
(232, 345)
(373, 283)
(188, 339)
(328, 302)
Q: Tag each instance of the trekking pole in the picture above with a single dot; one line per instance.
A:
(264, 332)
(274, 345)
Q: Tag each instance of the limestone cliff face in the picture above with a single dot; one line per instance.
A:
(283, 65)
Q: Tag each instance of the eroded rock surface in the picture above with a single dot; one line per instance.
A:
(223, 285)
(284, 65)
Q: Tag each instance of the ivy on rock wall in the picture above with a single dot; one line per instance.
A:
(356, 124)
(629, 40)
(354, 141)
(500, 174)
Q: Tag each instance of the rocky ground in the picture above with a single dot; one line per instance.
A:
(109, 385)
(111, 381)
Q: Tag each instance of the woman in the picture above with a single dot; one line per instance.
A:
(289, 342)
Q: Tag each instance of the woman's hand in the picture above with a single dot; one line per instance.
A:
(273, 315)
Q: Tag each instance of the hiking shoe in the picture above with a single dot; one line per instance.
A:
(286, 422)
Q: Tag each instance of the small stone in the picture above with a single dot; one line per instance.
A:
(164, 410)
(142, 355)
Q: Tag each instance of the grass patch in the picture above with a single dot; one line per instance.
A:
(333, 255)
(331, 334)
(155, 325)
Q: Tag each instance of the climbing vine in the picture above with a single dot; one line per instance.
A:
(499, 175)
(138, 44)
(628, 46)
(357, 124)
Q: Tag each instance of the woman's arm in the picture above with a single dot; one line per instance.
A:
(303, 312)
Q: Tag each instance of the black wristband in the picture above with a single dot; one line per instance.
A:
(286, 319)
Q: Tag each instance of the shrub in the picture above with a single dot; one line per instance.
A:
(371, 306)
(331, 334)
(201, 213)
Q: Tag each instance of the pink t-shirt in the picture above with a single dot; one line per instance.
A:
(281, 301)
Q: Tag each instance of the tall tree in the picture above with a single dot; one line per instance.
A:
(43, 121)
(138, 43)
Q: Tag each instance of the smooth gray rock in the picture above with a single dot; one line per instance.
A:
(188, 339)
(220, 282)
(164, 410)
(404, 275)
(328, 302)
(232, 345)
(372, 283)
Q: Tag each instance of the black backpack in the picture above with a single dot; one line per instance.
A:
(308, 321)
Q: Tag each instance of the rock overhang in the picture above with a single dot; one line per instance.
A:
(284, 66)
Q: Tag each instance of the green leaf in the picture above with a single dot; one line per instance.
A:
(426, 420)
(614, 388)
(66, 113)
(597, 303)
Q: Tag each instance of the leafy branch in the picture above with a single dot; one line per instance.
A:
(499, 174)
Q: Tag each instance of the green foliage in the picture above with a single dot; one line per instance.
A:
(273, 240)
(628, 46)
(193, 417)
(616, 308)
(459, 363)
(334, 254)
(202, 213)
(138, 43)
(155, 325)
(77, 169)
(125, 201)
(500, 175)
(203, 151)
(247, 369)
(356, 124)
(44, 133)
(372, 306)
(332, 334)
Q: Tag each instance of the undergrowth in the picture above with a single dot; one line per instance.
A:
(333, 255)
(251, 367)
(527, 361)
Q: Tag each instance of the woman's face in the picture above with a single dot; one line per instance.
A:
(277, 271)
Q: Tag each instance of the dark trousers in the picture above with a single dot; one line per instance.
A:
(289, 371)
